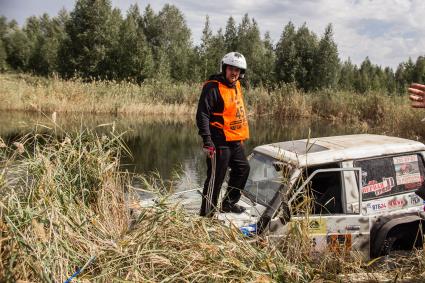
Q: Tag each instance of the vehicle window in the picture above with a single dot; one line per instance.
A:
(264, 180)
(323, 195)
(326, 191)
(387, 176)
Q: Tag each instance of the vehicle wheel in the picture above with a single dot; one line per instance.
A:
(401, 240)
(394, 251)
(389, 245)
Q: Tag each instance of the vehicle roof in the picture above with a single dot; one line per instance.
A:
(315, 151)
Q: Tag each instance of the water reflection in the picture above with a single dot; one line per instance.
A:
(167, 145)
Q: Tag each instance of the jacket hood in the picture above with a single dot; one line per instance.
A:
(222, 79)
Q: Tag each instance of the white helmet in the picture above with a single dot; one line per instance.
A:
(234, 59)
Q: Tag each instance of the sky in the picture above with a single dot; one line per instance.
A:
(388, 31)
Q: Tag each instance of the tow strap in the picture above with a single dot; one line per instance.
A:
(210, 191)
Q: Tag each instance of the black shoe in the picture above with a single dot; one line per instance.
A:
(236, 208)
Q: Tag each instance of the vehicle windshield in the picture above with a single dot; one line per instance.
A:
(264, 180)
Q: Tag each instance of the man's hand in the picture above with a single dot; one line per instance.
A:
(209, 151)
(208, 147)
(417, 95)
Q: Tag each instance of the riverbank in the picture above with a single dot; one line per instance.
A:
(21, 92)
(70, 205)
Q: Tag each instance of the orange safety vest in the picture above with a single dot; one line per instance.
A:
(235, 125)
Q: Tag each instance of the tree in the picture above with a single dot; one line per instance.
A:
(400, 79)
(418, 72)
(306, 46)
(132, 53)
(286, 55)
(17, 47)
(365, 76)
(36, 37)
(170, 40)
(252, 47)
(3, 27)
(231, 35)
(91, 29)
(3, 57)
(94, 41)
(46, 36)
(295, 56)
(152, 30)
(205, 59)
(150, 26)
(409, 68)
(326, 61)
(217, 50)
(390, 80)
(347, 76)
(267, 66)
(404, 75)
(378, 82)
(3, 53)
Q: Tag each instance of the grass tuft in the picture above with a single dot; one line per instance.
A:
(64, 201)
(22, 92)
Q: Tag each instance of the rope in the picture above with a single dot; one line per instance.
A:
(80, 270)
(211, 185)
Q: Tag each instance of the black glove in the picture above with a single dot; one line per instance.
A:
(209, 147)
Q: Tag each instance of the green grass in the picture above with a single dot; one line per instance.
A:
(64, 200)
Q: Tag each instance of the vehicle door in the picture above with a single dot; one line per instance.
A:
(328, 202)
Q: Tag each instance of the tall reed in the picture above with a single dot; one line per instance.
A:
(64, 201)
(30, 93)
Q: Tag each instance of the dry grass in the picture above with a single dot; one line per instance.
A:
(47, 95)
(28, 93)
(392, 115)
(64, 201)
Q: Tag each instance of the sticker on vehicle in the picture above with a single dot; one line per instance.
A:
(376, 206)
(317, 226)
(414, 200)
(379, 188)
(397, 203)
(407, 169)
(389, 176)
(387, 204)
(339, 243)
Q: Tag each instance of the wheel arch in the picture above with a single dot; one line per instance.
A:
(385, 224)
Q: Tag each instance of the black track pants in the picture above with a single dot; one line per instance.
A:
(233, 157)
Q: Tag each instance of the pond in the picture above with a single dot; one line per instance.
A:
(169, 145)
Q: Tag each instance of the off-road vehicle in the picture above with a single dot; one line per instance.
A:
(358, 192)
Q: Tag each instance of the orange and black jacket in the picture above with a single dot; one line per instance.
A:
(211, 109)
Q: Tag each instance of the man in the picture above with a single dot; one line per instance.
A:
(417, 95)
(223, 126)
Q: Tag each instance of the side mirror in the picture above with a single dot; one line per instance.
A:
(278, 166)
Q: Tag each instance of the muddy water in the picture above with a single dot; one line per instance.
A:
(167, 145)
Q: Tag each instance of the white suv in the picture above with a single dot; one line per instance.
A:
(360, 192)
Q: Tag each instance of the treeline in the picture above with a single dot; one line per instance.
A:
(95, 41)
